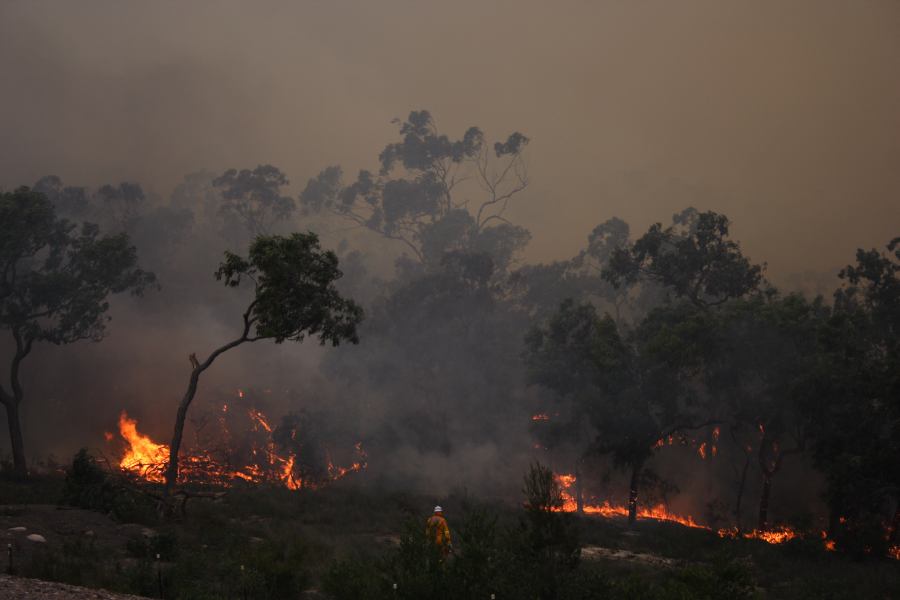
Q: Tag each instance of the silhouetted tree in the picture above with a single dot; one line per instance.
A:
(55, 282)
(693, 258)
(254, 198)
(855, 405)
(768, 348)
(294, 297)
(413, 197)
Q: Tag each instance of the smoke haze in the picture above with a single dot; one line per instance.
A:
(783, 116)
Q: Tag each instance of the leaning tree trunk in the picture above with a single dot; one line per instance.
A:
(633, 491)
(171, 476)
(180, 417)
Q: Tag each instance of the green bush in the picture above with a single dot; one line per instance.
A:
(88, 485)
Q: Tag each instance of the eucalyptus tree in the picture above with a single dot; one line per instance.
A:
(253, 198)
(293, 297)
(417, 196)
(694, 259)
(55, 281)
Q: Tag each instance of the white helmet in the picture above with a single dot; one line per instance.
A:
(438, 509)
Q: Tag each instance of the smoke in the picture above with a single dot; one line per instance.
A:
(782, 116)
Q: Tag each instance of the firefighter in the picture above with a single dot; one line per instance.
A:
(437, 531)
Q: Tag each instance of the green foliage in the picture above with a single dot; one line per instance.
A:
(537, 557)
(54, 284)
(57, 278)
(295, 292)
(694, 258)
(855, 404)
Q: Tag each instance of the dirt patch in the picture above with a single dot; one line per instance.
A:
(32, 529)
(19, 587)
(601, 553)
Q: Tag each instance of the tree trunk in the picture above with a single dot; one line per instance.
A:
(763, 523)
(579, 489)
(742, 485)
(20, 467)
(12, 402)
(633, 492)
(172, 467)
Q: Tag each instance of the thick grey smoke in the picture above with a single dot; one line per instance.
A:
(782, 116)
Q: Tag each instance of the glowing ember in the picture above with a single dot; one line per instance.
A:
(540, 417)
(259, 420)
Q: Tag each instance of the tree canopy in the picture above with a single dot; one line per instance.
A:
(413, 198)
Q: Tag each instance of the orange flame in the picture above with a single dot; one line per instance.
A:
(660, 512)
(147, 459)
(144, 457)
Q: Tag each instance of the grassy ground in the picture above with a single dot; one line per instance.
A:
(273, 543)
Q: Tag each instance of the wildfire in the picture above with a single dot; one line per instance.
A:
(540, 417)
(660, 512)
(147, 459)
(778, 535)
(143, 457)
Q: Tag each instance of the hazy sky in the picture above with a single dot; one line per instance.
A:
(783, 115)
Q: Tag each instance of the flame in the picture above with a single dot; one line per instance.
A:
(147, 459)
(143, 457)
(540, 417)
(702, 450)
(660, 512)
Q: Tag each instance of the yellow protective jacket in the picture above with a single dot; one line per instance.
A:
(437, 530)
